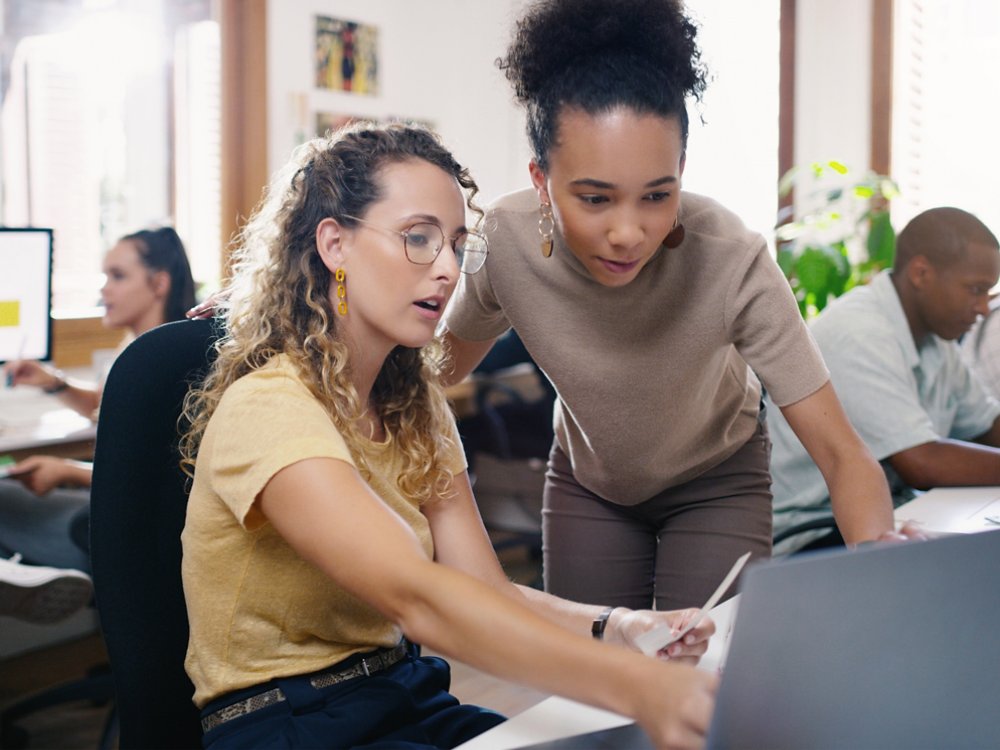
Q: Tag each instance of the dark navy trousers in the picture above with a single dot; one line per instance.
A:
(405, 706)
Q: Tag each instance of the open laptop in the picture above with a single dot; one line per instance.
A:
(893, 646)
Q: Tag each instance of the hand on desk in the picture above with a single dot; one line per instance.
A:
(629, 624)
(41, 474)
(908, 532)
(30, 372)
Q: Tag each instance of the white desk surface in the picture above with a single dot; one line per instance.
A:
(555, 717)
(31, 420)
(953, 510)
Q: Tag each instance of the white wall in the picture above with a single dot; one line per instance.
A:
(733, 155)
(435, 64)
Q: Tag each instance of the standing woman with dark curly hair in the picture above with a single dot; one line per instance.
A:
(653, 311)
(331, 513)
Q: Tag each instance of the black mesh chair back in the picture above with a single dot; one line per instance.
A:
(138, 500)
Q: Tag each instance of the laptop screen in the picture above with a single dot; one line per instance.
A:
(886, 646)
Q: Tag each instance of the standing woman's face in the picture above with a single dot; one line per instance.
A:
(134, 296)
(614, 183)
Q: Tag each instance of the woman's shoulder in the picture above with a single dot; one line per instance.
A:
(276, 378)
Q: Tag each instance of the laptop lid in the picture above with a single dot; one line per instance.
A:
(887, 646)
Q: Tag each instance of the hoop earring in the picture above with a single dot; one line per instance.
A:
(341, 291)
(676, 235)
(545, 226)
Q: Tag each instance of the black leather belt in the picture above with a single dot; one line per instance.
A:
(370, 664)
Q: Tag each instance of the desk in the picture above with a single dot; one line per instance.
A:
(555, 718)
(953, 510)
(34, 422)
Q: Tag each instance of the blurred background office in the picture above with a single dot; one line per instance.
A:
(123, 113)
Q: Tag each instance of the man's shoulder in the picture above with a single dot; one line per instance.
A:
(855, 314)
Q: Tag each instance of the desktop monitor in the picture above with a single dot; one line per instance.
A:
(25, 294)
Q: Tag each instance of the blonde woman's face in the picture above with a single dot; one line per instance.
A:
(614, 182)
(391, 300)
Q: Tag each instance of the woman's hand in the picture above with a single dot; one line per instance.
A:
(42, 474)
(625, 625)
(206, 309)
(675, 705)
(30, 372)
(908, 532)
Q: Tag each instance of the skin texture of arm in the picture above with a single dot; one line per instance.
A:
(317, 505)
(40, 474)
(465, 355)
(859, 492)
(950, 463)
(461, 542)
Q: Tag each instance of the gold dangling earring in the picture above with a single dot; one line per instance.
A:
(341, 291)
(676, 235)
(545, 226)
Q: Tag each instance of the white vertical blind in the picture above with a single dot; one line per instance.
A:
(946, 105)
(197, 158)
(54, 120)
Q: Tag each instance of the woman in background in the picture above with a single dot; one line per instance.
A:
(331, 523)
(45, 509)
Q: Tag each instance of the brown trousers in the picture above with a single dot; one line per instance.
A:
(668, 552)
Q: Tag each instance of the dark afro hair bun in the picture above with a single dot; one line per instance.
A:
(555, 36)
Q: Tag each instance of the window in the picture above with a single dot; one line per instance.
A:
(946, 104)
(110, 124)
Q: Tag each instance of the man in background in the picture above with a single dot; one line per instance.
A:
(895, 363)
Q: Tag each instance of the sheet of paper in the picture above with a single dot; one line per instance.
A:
(659, 638)
(952, 510)
(724, 617)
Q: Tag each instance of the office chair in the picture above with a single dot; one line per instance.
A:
(138, 503)
(96, 687)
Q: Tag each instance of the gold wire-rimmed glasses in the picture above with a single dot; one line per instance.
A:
(422, 243)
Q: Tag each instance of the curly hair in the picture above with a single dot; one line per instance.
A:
(598, 55)
(277, 302)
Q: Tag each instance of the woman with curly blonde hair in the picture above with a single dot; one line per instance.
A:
(331, 524)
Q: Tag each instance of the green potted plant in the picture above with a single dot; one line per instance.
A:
(841, 236)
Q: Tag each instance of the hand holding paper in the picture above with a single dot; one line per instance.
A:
(657, 639)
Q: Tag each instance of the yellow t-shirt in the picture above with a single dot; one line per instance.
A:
(256, 609)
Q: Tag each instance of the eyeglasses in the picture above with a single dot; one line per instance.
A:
(423, 241)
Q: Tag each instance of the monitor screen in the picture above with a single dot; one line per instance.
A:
(25, 294)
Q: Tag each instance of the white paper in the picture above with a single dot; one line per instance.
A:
(659, 638)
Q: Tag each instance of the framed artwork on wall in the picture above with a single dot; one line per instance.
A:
(346, 56)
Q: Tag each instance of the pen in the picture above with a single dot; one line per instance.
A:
(20, 356)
